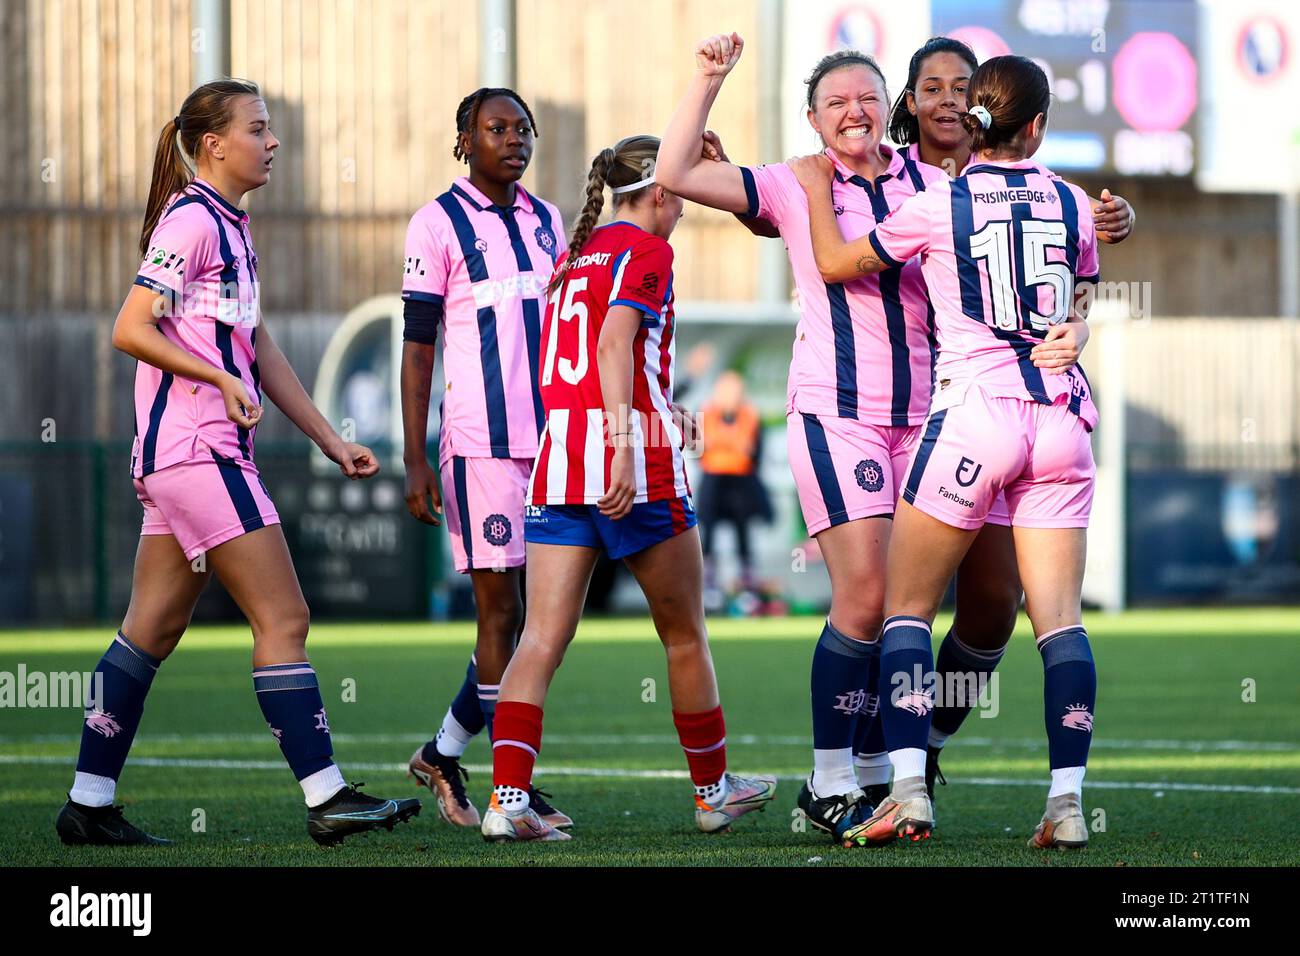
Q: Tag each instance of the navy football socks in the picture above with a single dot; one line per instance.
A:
(1069, 702)
(121, 682)
(906, 703)
(840, 671)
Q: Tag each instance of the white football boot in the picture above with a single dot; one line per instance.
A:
(1063, 824)
(505, 826)
(743, 795)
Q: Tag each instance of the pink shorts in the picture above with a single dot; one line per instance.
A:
(483, 501)
(205, 502)
(1038, 456)
(845, 469)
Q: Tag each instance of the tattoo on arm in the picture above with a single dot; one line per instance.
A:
(868, 263)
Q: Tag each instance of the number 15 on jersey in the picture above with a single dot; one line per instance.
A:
(571, 371)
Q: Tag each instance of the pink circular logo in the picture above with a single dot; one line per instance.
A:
(1154, 79)
(982, 40)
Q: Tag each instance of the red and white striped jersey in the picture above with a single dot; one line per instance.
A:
(621, 264)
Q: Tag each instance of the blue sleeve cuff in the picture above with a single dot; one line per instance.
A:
(433, 297)
(155, 285)
(881, 252)
(173, 301)
(751, 191)
(639, 306)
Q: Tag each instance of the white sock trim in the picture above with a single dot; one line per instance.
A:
(451, 739)
(833, 772)
(872, 769)
(908, 762)
(511, 800)
(1067, 780)
(92, 790)
(714, 793)
(321, 785)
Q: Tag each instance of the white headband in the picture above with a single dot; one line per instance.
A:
(981, 114)
(632, 187)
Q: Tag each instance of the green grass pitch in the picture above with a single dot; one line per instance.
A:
(1183, 770)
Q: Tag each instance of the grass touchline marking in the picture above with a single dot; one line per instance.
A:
(775, 740)
(628, 774)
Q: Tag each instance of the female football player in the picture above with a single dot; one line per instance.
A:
(997, 425)
(860, 382)
(477, 261)
(926, 120)
(610, 477)
(191, 321)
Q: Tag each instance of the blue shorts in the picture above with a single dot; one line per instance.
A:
(583, 526)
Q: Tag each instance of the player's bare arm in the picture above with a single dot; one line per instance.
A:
(715, 152)
(136, 333)
(282, 386)
(614, 359)
(681, 166)
(417, 382)
(837, 260)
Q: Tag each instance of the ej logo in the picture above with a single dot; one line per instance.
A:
(962, 468)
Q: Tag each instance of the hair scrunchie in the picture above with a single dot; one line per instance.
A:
(981, 114)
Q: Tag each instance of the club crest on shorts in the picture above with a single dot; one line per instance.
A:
(497, 530)
(870, 476)
(545, 239)
(962, 468)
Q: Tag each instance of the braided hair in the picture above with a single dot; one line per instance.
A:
(628, 161)
(467, 115)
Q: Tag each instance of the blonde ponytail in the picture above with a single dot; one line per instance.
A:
(627, 162)
(208, 109)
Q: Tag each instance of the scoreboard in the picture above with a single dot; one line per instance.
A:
(1123, 73)
(1133, 81)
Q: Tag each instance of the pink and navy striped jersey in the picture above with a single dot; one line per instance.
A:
(621, 264)
(201, 260)
(863, 349)
(487, 266)
(1002, 247)
(917, 169)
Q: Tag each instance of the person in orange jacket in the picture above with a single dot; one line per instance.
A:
(730, 488)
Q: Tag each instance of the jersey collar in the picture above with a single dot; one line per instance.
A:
(843, 174)
(474, 196)
(233, 213)
(1005, 168)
